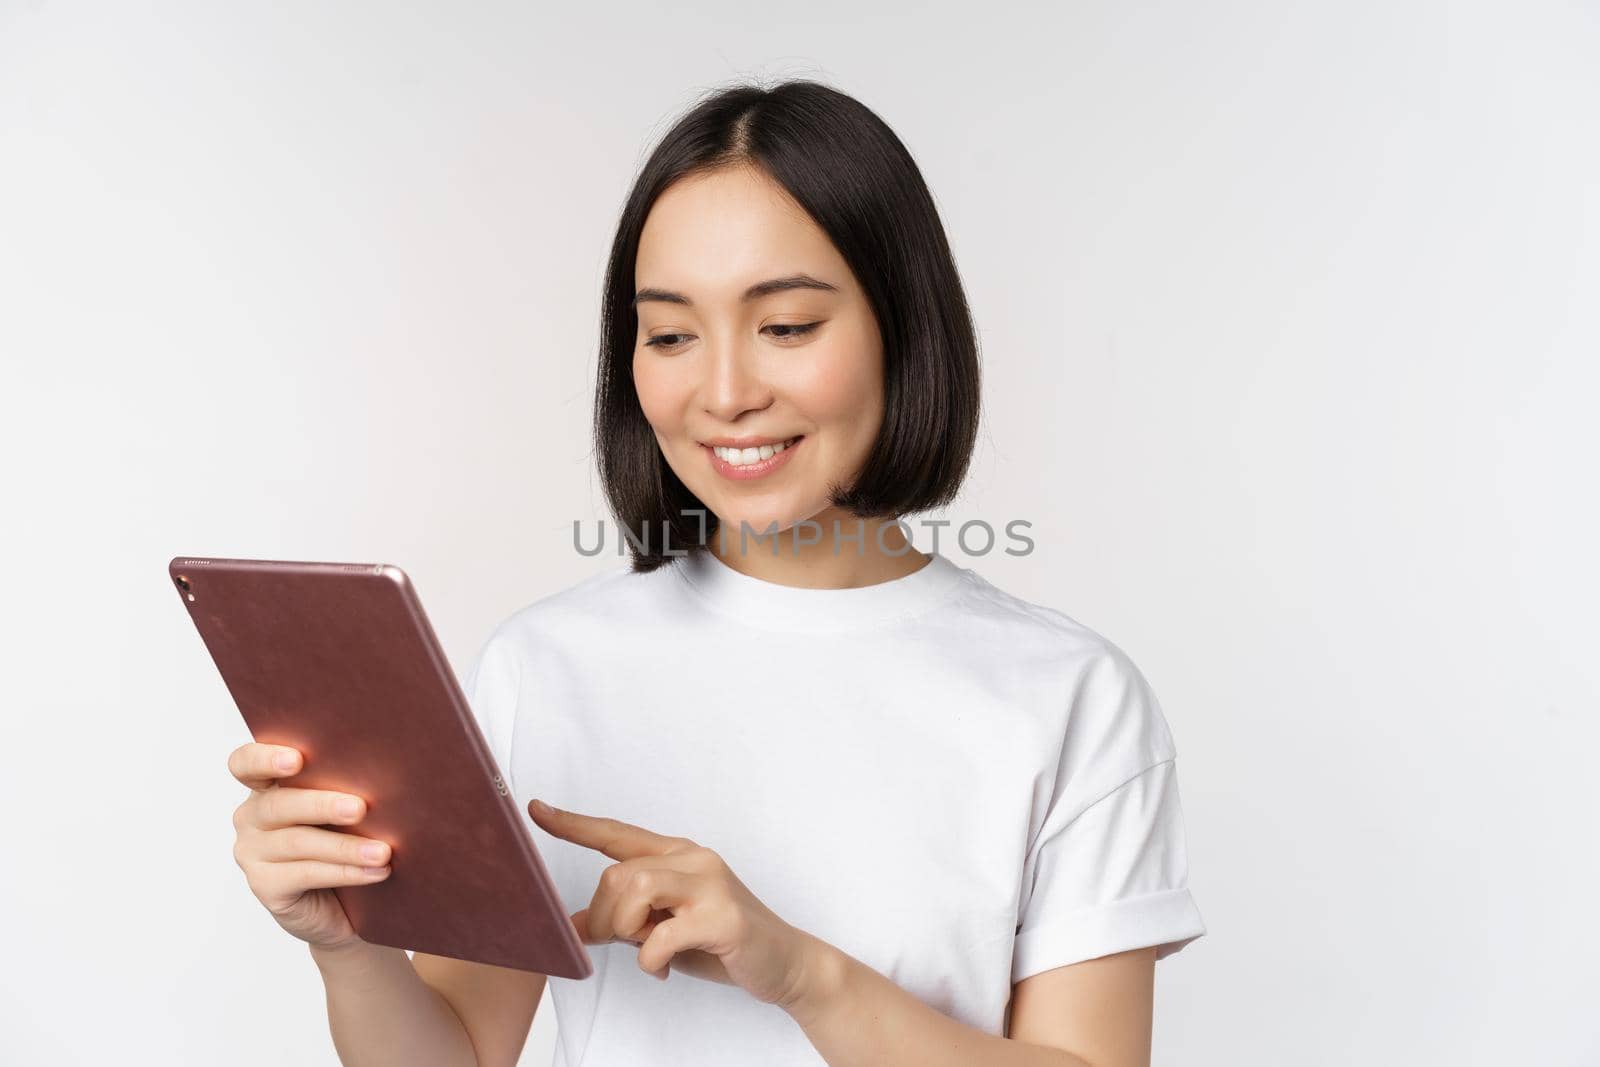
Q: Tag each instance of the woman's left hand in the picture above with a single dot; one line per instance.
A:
(684, 908)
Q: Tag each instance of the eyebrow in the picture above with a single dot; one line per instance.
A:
(755, 292)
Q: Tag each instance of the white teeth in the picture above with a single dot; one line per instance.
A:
(743, 457)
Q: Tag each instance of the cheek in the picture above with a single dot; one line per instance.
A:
(843, 388)
(660, 393)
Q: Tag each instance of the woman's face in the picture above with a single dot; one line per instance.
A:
(725, 359)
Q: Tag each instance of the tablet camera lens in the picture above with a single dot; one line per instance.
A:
(183, 583)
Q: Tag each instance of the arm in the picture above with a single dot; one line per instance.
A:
(380, 1011)
(495, 1004)
(1090, 1014)
(384, 1008)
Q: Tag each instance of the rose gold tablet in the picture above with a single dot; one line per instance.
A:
(339, 661)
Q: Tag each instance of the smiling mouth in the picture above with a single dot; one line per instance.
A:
(751, 464)
(749, 457)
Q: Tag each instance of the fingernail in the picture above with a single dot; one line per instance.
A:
(348, 806)
(372, 852)
(284, 762)
(542, 807)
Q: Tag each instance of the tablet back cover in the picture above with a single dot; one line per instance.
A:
(339, 661)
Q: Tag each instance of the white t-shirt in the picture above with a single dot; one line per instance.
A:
(955, 786)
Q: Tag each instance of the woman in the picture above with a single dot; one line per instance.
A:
(871, 808)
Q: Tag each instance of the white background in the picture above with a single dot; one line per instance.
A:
(1290, 329)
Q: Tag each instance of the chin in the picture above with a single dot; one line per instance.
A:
(758, 521)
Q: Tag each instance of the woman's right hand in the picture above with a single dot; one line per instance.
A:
(291, 862)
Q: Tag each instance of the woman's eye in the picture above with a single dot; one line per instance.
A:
(788, 331)
(799, 329)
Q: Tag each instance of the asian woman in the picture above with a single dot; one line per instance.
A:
(814, 795)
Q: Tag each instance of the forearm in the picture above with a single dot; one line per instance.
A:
(381, 1012)
(856, 1017)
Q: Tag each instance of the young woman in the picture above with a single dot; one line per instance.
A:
(869, 807)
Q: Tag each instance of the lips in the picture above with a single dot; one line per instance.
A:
(745, 451)
(764, 465)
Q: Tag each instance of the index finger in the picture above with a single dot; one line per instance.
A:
(615, 838)
(258, 765)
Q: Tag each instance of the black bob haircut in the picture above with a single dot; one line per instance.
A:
(857, 181)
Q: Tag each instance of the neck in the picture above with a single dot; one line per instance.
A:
(864, 552)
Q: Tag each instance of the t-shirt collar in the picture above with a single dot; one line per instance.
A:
(786, 607)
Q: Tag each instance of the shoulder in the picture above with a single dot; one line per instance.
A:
(1104, 698)
(992, 616)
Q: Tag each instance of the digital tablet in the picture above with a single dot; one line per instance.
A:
(339, 661)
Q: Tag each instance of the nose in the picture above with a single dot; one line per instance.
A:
(734, 382)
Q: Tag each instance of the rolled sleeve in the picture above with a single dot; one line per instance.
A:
(1109, 879)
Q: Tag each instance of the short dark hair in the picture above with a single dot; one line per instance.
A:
(856, 179)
